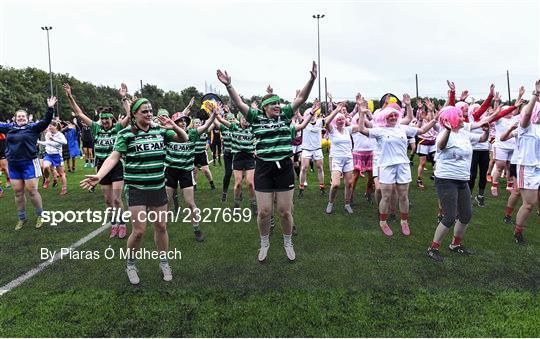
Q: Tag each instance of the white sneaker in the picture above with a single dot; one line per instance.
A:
(349, 209)
(132, 275)
(305, 183)
(167, 272)
(263, 253)
(329, 208)
(289, 250)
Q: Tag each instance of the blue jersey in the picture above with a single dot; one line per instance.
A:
(21, 141)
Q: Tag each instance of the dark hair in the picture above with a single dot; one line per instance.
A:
(134, 127)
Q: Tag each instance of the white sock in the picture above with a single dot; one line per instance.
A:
(287, 239)
(265, 240)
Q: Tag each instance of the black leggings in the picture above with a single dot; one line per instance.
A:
(228, 159)
(480, 161)
(455, 198)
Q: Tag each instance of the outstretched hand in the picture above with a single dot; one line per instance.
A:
(314, 71)
(51, 101)
(270, 90)
(67, 89)
(464, 95)
(407, 99)
(224, 77)
(123, 90)
(90, 182)
(451, 85)
(492, 89)
(165, 122)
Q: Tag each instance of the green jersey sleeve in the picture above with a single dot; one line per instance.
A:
(252, 115)
(94, 128)
(120, 144)
(287, 111)
(169, 135)
(193, 135)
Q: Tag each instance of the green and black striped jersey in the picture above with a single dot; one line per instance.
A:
(226, 138)
(144, 156)
(200, 145)
(273, 135)
(242, 139)
(181, 155)
(104, 139)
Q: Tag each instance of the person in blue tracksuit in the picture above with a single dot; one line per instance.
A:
(23, 163)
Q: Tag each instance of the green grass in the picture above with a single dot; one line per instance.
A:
(348, 279)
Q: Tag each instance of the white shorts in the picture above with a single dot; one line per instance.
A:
(395, 174)
(313, 155)
(528, 177)
(425, 149)
(342, 165)
(502, 153)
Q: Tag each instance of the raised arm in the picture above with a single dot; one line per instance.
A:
(222, 121)
(361, 128)
(126, 103)
(42, 125)
(408, 109)
(76, 109)
(426, 127)
(208, 122)
(225, 79)
(332, 115)
(304, 93)
(451, 93)
(166, 123)
(526, 113)
(485, 104)
(508, 133)
(186, 110)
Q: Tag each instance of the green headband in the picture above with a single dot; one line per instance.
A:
(162, 111)
(270, 100)
(138, 104)
(105, 116)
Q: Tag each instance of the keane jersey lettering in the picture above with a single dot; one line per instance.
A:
(104, 139)
(145, 155)
(181, 155)
(273, 135)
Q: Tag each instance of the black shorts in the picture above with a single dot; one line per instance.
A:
(116, 174)
(173, 176)
(513, 170)
(150, 198)
(2, 149)
(88, 144)
(201, 159)
(271, 178)
(243, 161)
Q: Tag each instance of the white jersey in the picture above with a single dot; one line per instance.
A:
(392, 143)
(341, 144)
(529, 145)
(311, 136)
(362, 143)
(454, 161)
(501, 126)
(514, 158)
(53, 146)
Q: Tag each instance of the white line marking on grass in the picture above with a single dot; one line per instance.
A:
(18, 281)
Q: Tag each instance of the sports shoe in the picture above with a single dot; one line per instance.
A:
(167, 271)
(349, 209)
(55, 183)
(518, 237)
(305, 183)
(294, 230)
(508, 220)
(263, 253)
(114, 231)
(199, 236)
(329, 208)
(20, 224)
(480, 200)
(46, 184)
(301, 194)
(494, 191)
(289, 250)
(460, 249)
(39, 222)
(434, 254)
(223, 196)
(420, 184)
(122, 231)
(405, 229)
(386, 230)
(133, 276)
(64, 191)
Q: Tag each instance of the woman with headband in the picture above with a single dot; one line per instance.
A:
(452, 174)
(143, 145)
(393, 163)
(528, 161)
(104, 134)
(23, 164)
(274, 171)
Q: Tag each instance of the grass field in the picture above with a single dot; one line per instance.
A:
(348, 279)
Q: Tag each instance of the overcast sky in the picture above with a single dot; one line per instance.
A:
(368, 46)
